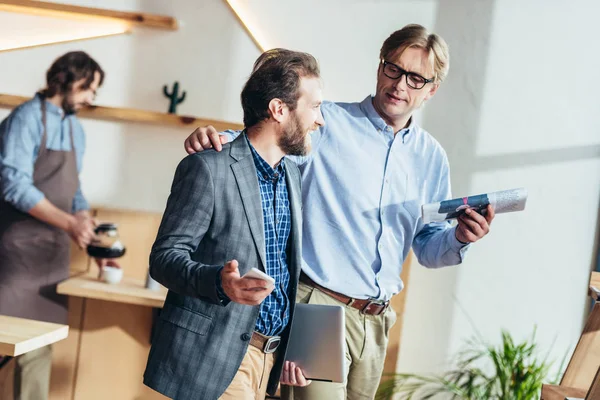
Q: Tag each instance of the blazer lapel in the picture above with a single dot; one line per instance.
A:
(292, 179)
(244, 171)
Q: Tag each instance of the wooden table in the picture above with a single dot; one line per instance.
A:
(20, 335)
(129, 291)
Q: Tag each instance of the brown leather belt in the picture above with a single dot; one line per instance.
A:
(365, 306)
(266, 344)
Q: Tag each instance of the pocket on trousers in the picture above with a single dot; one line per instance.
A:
(303, 293)
(187, 319)
(390, 319)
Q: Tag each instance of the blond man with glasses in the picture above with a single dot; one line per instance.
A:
(370, 170)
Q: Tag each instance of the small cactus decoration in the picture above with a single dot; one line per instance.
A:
(174, 97)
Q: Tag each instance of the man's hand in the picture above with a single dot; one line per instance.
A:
(204, 138)
(247, 291)
(81, 229)
(292, 375)
(472, 226)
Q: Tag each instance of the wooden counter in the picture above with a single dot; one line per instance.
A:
(129, 290)
(20, 335)
(105, 355)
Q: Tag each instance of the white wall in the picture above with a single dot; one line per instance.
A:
(513, 113)
(540, 131)
(344, 35)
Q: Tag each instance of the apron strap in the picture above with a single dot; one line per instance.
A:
(44, 140)
(71, 135)
(43, 145)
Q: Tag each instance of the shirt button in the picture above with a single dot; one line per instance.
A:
(245, 337)
(380, 246)
(387, 180)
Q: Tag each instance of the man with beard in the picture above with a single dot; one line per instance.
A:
(42, 206)
(220, 334)
(370, 170)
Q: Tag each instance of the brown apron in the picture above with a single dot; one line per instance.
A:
(34, 256)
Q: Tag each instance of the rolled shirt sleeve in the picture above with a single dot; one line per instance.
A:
(436, 245)
(79, 202)
(19, 144)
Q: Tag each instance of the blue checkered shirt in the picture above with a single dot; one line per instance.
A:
(274, 310)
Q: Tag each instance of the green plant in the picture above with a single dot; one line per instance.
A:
(511, 371)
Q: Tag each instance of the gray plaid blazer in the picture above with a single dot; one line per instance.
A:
(213, 215)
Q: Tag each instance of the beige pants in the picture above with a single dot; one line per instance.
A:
(366, 344)
(251, 380)
(32, 374)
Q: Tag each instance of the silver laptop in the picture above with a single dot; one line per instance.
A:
(317, 342)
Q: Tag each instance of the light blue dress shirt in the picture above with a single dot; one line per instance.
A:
(20, 140)
(362, 191)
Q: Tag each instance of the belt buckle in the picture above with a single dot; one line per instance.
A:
(384, 305)
(271, 344)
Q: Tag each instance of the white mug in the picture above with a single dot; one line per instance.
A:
(111, 274)
(151, 283)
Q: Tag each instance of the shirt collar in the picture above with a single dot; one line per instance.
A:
(367, 106)
(264, 170)
(50, 107)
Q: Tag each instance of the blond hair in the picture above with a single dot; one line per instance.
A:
(415, 35)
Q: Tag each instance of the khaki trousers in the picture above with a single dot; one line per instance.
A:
(366, 345)
(32, 374)
(251, 380)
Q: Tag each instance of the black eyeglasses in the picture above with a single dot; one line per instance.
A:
(413, 80)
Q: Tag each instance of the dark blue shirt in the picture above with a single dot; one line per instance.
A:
(274, 310)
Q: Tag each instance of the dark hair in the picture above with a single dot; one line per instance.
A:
(276, 75)
(68, 69)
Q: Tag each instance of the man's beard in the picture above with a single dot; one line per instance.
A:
(294, 141)
(68, 106)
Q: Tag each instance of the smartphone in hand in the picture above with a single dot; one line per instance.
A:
(256, 273)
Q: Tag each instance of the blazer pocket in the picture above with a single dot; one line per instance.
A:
(187, 319)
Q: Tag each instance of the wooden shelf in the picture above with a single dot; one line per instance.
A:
(129, 291)
(132, 115)
(20, 335)
(70, 11)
